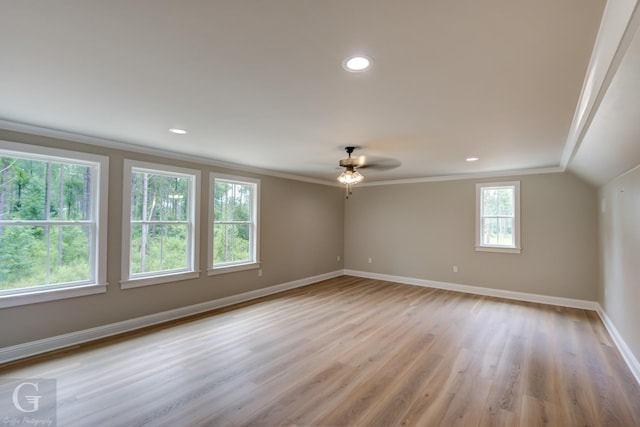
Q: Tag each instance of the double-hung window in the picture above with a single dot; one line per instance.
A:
(160, 224)
(233, 223)
(498, 217)
(52, 223)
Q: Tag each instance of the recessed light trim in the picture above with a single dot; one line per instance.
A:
(178, 131)
(472, 159)
(357, 64)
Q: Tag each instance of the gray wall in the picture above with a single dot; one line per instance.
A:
(619, 290)
(301, 236)
(409, 230)
(422, 230)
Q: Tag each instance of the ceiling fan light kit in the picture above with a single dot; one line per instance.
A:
(350, 176)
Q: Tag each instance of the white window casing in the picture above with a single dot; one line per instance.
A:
(250, 257)
(94, 226)
(498, 217)
(190, 222)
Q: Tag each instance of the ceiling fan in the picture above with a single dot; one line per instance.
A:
(350, 176)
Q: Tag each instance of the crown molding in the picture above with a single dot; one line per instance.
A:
(481, 175)
(108, 143)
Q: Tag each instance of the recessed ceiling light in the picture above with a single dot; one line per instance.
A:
(355, 64)
(178, 131)
(472, 159)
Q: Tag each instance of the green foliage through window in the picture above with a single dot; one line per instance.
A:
(160, 222)
(46, 229)
(233, 222)
(497, 216)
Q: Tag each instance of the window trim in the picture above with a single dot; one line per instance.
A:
(192, 271)
(100, 188)
(517, 248)
(235, 267)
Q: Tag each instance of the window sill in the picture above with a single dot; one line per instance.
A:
(35, 297)
(157, 280)
(233, 268)
(498, 249)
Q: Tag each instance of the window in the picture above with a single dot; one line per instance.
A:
(498, 217)
(233, 224)
(160, 224)
(52, 224)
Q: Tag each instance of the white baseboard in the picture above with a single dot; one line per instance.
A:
(32, 348)
(518, 296)
(627, 355)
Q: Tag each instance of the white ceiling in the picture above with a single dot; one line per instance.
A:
(260, 83)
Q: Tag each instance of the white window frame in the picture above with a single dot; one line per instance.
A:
(512, 249)
(98, 223)
(254, 263)
(192, 271)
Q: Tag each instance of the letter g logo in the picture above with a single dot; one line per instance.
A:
(34, 400)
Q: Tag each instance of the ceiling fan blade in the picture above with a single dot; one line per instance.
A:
(356, 162)
(369, 162)
(379, 163)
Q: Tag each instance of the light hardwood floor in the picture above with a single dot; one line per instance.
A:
(351, 351)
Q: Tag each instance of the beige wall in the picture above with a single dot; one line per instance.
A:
(409, 230)
(301, 236)
(422, 230)
(619, 290)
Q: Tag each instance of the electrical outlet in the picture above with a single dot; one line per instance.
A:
(370, 260)
(338, 258)
(455, 268)
(260, 273)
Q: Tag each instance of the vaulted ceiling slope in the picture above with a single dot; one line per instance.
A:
(261, 84)
(607, 134)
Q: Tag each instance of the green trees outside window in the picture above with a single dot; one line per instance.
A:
(498, 216)
(46, 222)
(160, 222)
(233, 222)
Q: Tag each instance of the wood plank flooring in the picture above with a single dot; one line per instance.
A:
(351, 351)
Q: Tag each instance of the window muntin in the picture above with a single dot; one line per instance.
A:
(233, 235)
(498, 216)
(160, 226)
(51, 234)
